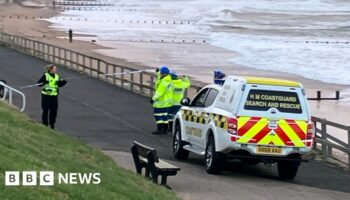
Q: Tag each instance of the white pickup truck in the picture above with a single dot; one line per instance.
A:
(247, 118)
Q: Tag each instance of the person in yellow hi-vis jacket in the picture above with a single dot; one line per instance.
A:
(50, 82)
(156, 83)
(179, 87)
(162, 101)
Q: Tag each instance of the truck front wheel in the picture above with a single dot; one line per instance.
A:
(178, 150)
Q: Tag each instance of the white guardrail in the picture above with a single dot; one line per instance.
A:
(8, 91)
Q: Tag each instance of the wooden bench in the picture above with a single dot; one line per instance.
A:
(147, 158)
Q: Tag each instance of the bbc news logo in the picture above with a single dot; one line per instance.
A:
(47, 178)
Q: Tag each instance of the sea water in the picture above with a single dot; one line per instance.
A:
(310, 38)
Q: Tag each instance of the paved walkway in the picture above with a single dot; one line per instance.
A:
(110, 118)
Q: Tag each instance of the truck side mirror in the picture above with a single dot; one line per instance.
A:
(185, 102)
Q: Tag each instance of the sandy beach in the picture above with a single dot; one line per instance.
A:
(194, 59)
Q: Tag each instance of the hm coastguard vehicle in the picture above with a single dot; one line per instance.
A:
(247, 118)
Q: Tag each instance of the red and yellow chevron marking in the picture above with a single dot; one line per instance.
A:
(256, 130)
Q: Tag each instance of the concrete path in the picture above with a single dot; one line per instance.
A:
(110, 118)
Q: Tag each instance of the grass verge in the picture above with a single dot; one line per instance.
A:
(28, 146)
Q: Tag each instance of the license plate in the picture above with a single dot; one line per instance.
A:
(269, 150)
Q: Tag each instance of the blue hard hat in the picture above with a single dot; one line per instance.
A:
(164, 70)
(173, 75)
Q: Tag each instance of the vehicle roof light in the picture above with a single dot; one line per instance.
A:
(219, 77)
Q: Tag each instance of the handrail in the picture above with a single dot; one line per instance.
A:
(329, 142)
(142, 83)
(10, 90)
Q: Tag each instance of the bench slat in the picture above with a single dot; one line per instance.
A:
(162, 164)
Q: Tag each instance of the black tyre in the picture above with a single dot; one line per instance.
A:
(2, 89)
(214, 161)
(287, 170)
(178, 150)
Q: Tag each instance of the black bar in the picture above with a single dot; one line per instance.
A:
(70, 35)
(266, 158)
(318, 95)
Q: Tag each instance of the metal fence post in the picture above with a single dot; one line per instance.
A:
(32, 48)
(349, 147)
(131, 82)
(90, 65)
(65, 58)
(141, 83)
(76, 61)
(10, 97)
(323, 135)
(54, 54)
(35, 49)
(71, 64)
(315, 127)
(98, 67)
(114, 72)
(318, 95)
(84, 66)
(48, 55)
(41, 51)
(151, 86)
(122, 77)
(59, 56)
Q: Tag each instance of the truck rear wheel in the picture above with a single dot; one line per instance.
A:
(287, 170)
(214, 161)
(178, 150)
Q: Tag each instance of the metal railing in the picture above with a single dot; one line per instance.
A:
(8, 91)
(328, 142)
(319, 98)
(141, 83)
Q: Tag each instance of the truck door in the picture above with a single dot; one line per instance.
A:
(201, 108)
(192, 114)
(205, 112)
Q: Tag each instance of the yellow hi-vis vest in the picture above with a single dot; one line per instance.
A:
(163, 96)
(156, 83)
(179, 87)
(50, 88)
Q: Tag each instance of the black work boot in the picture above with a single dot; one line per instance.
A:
(170, 127)
(52, 126)
(159, 130)
(165, 129)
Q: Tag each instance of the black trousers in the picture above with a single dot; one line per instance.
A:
(49, 105)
